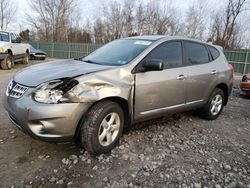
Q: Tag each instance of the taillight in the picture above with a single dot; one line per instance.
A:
(231, 70)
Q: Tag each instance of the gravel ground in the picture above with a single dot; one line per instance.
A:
(175, 151)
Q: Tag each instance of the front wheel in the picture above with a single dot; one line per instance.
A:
(102, 127)
(26, 58)
(8, 62)
(214, 106)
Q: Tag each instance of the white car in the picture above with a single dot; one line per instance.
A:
(12, 50)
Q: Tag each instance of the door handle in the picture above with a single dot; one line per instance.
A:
(213, 72)
(181, 77)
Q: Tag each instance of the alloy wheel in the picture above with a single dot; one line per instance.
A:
(109, 129)
(216, 104)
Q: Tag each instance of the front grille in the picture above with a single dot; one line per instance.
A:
(15, 90)
(39, 54)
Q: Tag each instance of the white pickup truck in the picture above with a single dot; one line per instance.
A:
(12, 50)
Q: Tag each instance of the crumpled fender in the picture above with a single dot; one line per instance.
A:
(99, 85)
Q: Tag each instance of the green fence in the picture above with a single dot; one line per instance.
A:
(65, 50)
(240, 59)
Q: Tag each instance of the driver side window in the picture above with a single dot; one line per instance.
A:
(13, 37)
(170, 53)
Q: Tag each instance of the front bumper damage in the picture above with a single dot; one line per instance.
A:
(58, 122)
(46, 122)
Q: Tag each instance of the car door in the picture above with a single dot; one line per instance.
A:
(202, 73)
(14, 47)
(158, 92)
(21, 47)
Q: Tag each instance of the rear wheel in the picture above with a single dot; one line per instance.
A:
(102, 127)
(8, 62)
(26, 58)
(214, 106)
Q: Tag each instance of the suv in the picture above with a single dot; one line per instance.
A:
(93, 99)
(11, 49)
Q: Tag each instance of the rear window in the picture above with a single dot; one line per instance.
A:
(196, 53)
(214, 52)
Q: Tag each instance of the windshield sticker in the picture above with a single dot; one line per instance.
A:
(141, 42)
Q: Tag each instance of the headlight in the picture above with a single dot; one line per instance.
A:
(1, 50)
(54, 92)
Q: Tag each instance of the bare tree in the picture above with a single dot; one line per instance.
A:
(99, 31)
(175, 26)
(139, 21)
(155, 17)
(128, 17)
(224, 29)
(60, 20)
(113, 20)
(51, 18)
(195, 24)
(7, 12)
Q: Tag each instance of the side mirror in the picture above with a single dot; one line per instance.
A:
(152, 65)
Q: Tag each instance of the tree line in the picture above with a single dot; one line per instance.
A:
(61, 21)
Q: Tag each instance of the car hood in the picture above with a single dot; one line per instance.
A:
(37, 51)
(38, 74)
(2, 43)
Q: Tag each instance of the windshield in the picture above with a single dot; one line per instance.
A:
(32, 48)
(4, 36)
(119, 52)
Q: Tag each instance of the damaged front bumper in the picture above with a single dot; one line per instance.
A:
(46, 122)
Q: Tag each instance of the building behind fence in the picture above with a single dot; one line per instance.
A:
(240, 59)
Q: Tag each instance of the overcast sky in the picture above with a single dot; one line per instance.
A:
(91, 9)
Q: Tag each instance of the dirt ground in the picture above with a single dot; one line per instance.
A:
(176, 151)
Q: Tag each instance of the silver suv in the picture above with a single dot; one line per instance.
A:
(93, 99)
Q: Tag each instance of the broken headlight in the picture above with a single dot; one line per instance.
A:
(54, 91)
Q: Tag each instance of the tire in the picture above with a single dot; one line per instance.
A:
(26, 58)
(8, 62)
(214, 106)
(95, 137)
(32, 57)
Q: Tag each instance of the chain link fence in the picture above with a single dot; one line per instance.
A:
(240, 59)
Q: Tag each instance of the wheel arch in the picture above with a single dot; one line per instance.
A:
(9, 51)
(123, 103)
(225, 89)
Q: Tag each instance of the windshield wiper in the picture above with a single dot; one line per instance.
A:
(92, 62)
(87, 61)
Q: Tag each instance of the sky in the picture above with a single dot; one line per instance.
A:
(89, 9)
